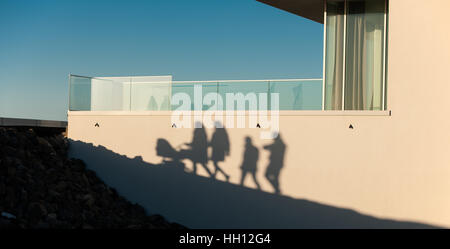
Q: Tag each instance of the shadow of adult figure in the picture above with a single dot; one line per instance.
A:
(277, 150)
(199, 148)
(249, 164)
(220, 145)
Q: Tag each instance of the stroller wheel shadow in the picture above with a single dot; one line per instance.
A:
(171, 156)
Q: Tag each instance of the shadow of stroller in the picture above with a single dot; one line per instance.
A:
(170, 156)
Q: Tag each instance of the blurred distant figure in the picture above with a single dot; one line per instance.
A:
(220, 145)
(249, 164)
(199, 148)
(277, 150)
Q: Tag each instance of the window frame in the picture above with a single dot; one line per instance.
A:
(384, 105)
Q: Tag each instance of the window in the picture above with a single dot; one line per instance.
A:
(355, 55)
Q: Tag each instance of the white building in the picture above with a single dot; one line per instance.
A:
(372, 135)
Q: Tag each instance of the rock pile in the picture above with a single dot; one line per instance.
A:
(40, 187)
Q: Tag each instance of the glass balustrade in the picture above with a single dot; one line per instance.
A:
(126, 94)
(79, 93)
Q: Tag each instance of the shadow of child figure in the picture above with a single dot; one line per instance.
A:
(249, 164)
(276, 162)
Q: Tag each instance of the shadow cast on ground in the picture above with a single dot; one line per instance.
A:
(200, 202)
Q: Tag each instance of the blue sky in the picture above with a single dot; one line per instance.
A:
(42, 41)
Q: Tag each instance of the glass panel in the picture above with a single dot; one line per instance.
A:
(188, 88)
(210, 88)
(250, 91)
(150, 96)
(80, 93)
(334, 59)
(297, 95)
(301, 95)
(364, 55)
(108, 95)
(126, 95)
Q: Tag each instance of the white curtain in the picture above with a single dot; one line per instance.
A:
(334, 56)
(364, 55)
(364, 61)
(364, 50)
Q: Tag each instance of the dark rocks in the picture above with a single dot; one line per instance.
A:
(40, 187)
(52, 219)
(37, 211)
(8, 215)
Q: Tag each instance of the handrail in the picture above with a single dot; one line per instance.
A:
(240, 81)
(201, 81)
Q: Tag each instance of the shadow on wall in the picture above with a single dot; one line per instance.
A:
(220, 144)
(202, 202)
